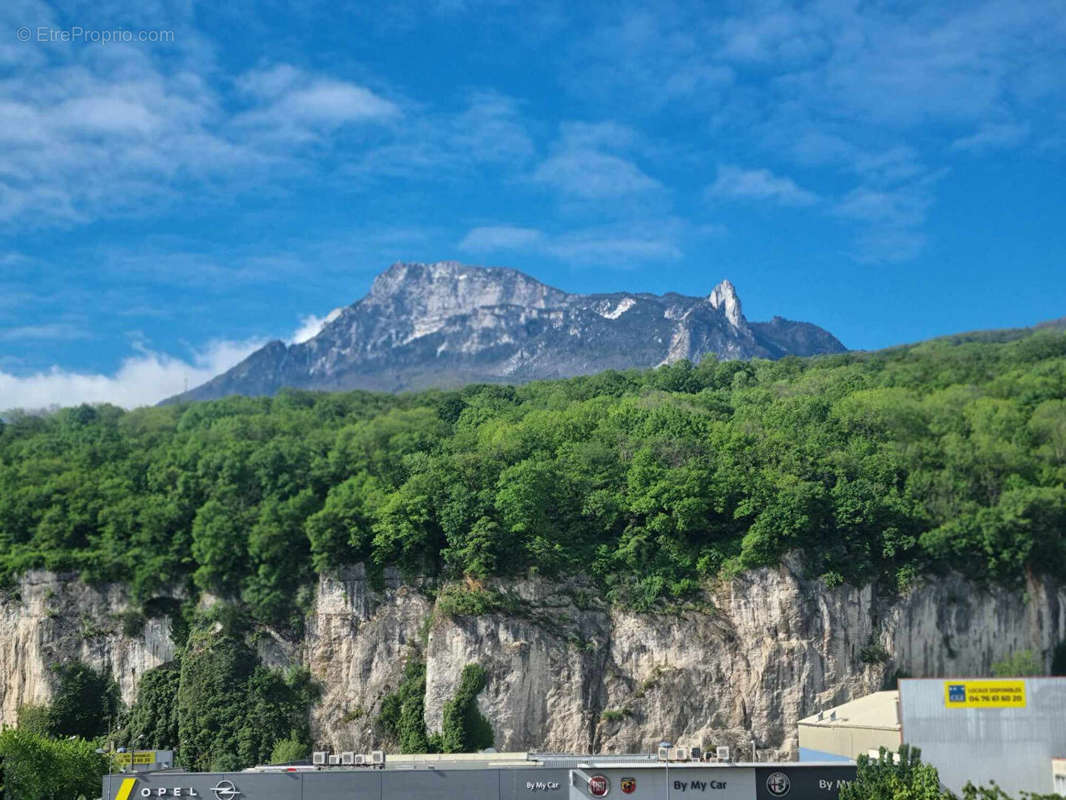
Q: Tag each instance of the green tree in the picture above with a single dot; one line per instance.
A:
(35, 719)
(35, 767)
(153, 720)
(84, 702)
(291, 750)
(902, 776)
(232, 710)
(1018, 664)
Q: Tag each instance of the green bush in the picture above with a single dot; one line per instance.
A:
(287, 751)
(35, 767)
(84, 703)
(35, 719)
(231, 710)
(402, 713)
(153, 720)
(1017, 665)
(465, 729)
(886, 777)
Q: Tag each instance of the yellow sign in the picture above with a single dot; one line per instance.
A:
(984, 694)
(140, 757)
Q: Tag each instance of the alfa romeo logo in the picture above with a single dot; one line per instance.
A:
(599, 785)
(225, 790)
(778, 784)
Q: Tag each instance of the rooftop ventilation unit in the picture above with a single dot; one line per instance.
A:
(377, 758)
(318, 758)
(721, 753)
(348, 759)
(697, 754)
(664, 753)
(334, 761)
(360, 759)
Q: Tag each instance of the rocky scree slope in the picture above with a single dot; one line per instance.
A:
(446, 324)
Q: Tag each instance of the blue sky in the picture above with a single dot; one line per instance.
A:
(888, 171)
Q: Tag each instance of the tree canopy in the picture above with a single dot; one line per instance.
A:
(948, 454)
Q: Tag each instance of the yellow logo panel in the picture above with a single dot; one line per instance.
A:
(984, 694)
(125, 789)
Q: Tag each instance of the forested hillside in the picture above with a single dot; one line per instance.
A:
(949, 454)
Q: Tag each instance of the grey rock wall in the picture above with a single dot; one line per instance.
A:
(566, 672)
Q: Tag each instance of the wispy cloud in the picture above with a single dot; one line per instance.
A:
(293, 104)
(602, 245)
(992, 136)
(591, 174)
(55, 331)
(759, 184)
(890, 219)
(493, 238)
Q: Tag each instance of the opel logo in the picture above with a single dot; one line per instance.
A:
(225, 790)
(778, 784)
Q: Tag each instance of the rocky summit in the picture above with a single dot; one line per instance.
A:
(447, 324)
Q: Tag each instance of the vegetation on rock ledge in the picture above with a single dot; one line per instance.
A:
(949, 454)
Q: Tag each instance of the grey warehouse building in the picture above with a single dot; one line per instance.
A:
(1010, 730)
(550, 778)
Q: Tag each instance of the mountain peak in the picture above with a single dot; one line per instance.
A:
(443, 324)
(724, 297)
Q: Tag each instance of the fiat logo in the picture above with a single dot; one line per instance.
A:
(599, 785)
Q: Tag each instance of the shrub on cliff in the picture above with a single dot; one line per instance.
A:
(85, 701)
(231, 710)
(465, 729)
(153, 720)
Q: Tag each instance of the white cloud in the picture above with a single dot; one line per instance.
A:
(604, 245)
(491, 238)
(55, 331)
(759, 184)
(311, 326)
(140, 380)
(592, 174)
(992, 136)
(901, 207)
(95, 132)
(298, 102)
(607, 247)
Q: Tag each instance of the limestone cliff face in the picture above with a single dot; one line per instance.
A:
(770, 648)
(51, 619)
(568, 673)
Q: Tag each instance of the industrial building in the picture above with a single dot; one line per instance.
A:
(503, 776)
(845, 732)
(1008, 730)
